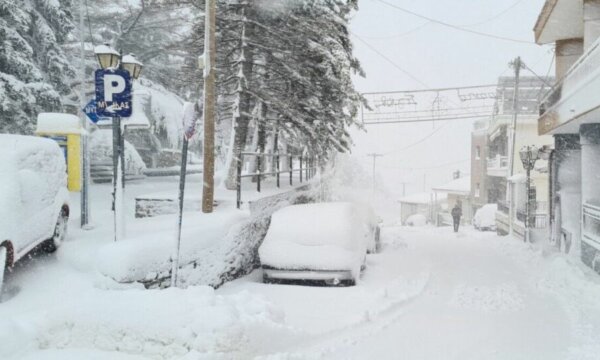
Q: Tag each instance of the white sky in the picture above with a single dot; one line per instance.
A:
(439, 57)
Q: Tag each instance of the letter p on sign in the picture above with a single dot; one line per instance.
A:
(113, 92)
(113, 84)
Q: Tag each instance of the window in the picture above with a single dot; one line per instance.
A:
(478, 152)
(477, 190)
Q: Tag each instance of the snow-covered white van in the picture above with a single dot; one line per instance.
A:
(33, 197)
(323, 242)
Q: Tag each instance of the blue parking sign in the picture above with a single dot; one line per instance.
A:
(113, 93)
(90, 111)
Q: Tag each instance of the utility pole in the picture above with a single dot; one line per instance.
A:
(208, 189)
(403, 188)
(517, 64)
(374, 156)
(85, 157)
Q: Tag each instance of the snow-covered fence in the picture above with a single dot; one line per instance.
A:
(307, 168)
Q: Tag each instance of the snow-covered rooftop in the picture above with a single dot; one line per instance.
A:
(460, 186)
(53, 123)
(421, 198)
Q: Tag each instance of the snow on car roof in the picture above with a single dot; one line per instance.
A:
(316, 224)
(52, 123)
(12, 145)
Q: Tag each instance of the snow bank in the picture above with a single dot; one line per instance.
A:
(166, 324)
(101, 152)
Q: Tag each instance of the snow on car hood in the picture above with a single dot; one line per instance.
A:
(9, 197)
(325, 236)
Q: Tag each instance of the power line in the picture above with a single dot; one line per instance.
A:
(428, 167)
(544, 80)
(466, 117)
(417, 142)
(408, 32)
(439, 22)
(389, 60)
(494, 17)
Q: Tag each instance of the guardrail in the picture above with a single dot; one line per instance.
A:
(309, 170)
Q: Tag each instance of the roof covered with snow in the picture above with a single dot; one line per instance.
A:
(461, 186)
(421, 198)
(58, 123)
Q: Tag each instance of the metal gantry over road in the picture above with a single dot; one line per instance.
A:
(443, 104)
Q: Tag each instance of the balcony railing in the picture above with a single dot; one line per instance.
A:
(570, 97)
(498, 162)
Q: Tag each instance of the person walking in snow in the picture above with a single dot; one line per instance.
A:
(456, 214)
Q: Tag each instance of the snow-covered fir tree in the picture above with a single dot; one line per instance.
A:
(34, 70)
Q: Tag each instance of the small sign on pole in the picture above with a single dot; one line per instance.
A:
(189, 128)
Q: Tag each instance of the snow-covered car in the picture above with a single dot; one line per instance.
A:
(34, 205)
(485, 218)
(319, 242)
(416, 220)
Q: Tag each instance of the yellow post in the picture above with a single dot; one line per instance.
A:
(65, 129)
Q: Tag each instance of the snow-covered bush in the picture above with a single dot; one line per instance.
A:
(215, 248)
(101, 152)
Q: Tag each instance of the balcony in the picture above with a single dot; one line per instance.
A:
(497, 166)
(571, 102)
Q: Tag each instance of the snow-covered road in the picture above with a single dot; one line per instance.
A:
(433, 294)
(430, 294)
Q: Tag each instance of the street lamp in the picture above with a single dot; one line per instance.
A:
(107, 56)
(132, 65)
(529, 155)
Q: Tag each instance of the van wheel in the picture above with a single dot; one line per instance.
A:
(60, 233)
(3, 261)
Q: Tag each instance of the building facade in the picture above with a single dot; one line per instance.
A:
(571, 115)
(496, 168)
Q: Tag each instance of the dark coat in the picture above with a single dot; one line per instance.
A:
(456, 212)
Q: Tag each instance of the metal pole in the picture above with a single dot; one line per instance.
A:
(374, 156)
(528, 187)
(258, 167)
(291, 168)
(238, 181)
(117, 190)
(175, 264)
(85, 158)
(122, 153)
(277, 168)
(300, 172)
(208, 189)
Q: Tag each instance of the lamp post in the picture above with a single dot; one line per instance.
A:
(529, 155)
(109, 58)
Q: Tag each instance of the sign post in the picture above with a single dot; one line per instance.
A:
(114, 100)
(189, 127)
